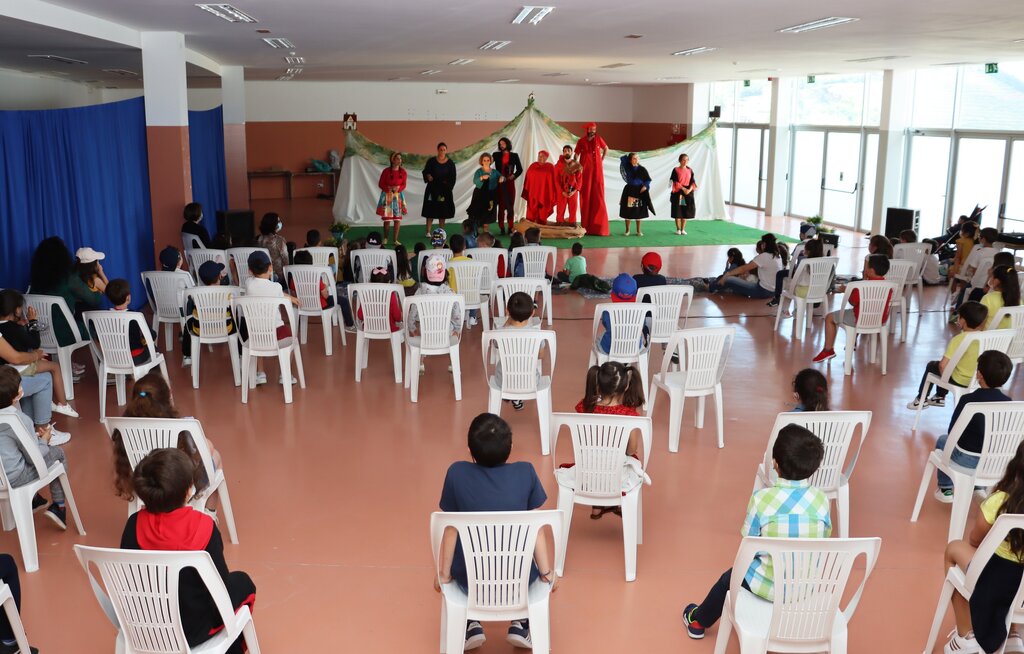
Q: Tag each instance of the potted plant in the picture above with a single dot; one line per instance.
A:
(338, 231)
(819, 225)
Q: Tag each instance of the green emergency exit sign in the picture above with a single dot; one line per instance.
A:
(810, 79)
(746, 82)
(991, 68)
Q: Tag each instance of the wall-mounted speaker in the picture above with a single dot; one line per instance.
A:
(716, 112)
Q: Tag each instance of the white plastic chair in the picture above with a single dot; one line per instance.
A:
(810, 580)
(140, 436)
(444, 253)
(196, 258)
(306, 282)
(518, 354)
(262, 316)
(965, 581)
(370, 258)
(16, 501)
(901, 272)
(600, 475)
(668, 309)
(47, 307)
(875, 304)
(836, 429)
(191, 242)
(628, 343)
(322, 257)
(992, 339)
(240, 257)
(164, 292)
(918, 253)
(212, 306)
(470, 277)
(1004, 431)
(703, 353)
(502, 289)
(11, 609)
(113, 353)
(374, 300)
(495, 258)
(816, 276)
(499, 548)
(138, 591)
(1016, 316)
(434, 315)
(538, 260)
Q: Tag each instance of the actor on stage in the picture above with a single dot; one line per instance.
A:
(482, 204)
(635, 202)
(684, 203)
(568, 176)
(508, 166)
(439, 174)
(391, 204)
(540, 189)
(590, 152)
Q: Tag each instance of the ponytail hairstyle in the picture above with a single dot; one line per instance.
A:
(613, 379)
(812, 389)
(735, 257)
(1012, 484)
(1009, 284)
(402, 268)
(772, 246)
(814, 249)
(783, 251)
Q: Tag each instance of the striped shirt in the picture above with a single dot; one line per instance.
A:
(789, 509)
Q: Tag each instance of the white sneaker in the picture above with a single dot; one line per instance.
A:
(944, 496)
(64, 409)
(77, 368)
(261, 378)
(280, 380)
(473, 321)
(679, 232)
(961, 644)
(1014, 643)
(186, 362)
(58, 437)
(682, 232)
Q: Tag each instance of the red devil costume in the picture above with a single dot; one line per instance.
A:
(568, 179)
(540, 189)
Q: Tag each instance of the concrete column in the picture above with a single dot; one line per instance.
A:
(778, 147)
(170, 175)
(897, 104)
(232, 90)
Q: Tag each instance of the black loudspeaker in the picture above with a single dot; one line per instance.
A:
(240, 224)
(831, 240)
(896, 220)
(716, 112)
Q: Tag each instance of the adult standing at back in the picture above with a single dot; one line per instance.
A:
(590, 152)
(438, 202)
(684, 203)
(509, 168)
(270, 239)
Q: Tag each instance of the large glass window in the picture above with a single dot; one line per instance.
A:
(1015, 189)
(873, 99)
(926, 181)
(754, 102)
(934, 97)
(723, 141)
(723, 94)
(992, 101)
(979, 176)
(842, 161)
(805, 195)
(829, 100)
(748, 166)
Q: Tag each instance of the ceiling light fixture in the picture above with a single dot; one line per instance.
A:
(554, 74)
(525, 12)
(603, 83)
(284, 78)
(461, 62)
(665, 79)
(63, 60)
(633, 36)
(505, 81)
(295, 60)
(397, 79)
(121, 71)
(494, 45)
(693, 51)
(1019, 41)
(293, 71)
(430, 72)
(866, 60)
(277, 42)
(760, 70)
(228, 13)
(618, 65)
(821, 23)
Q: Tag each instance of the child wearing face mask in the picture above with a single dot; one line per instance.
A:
(193, 218)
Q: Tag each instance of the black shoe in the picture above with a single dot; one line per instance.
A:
(59, 516)
(517, 404)
(38, 504)
(14, 649)
(675, 359)
(773, 302)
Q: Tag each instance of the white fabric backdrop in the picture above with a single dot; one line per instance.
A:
(530, 132)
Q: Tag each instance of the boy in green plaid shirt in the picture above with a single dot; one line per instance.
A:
(792, 508)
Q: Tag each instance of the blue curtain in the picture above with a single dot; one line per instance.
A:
(81, 174)
(206, 149)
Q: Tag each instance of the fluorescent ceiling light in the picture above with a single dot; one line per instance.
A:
(494, 45)
(821, 23)
(430, 72)
(1019, 41)
(618, 65)
(397, 79)
(692, 51)
(295, 60)
(121, 71)
(603, 83)
(505, 81)
(525, 12)
(276, 42)
(760, 70)
(63, 60)
(284, 78)
(554, 74)
(866, 60)
(461, 62)
(664, 79)
(293, 71)
(228, 13)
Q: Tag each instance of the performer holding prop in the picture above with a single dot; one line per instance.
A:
(635, 202)
(439, 174)
(568, 176)
(391, 204)
(508, 166)
(540, 189)
(590, 152)
(684, 203)
(482, 204)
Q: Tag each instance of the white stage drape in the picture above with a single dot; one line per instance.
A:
(530, 132)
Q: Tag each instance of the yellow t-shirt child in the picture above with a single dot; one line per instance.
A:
(968, 364)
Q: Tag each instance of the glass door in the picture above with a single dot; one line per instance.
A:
(839, 189)
(867, 187)
(806, 173)
(747, 167)
(1013, 209)
(723, 141)
(927, 174)
(979, 177)
(763, 177)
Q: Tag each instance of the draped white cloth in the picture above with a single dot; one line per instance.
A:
(530, 132)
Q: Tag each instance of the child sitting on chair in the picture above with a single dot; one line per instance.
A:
(791, 508)
(260, 284)
(875, 268)
(518, 315)
(970, 318)
(623, 290)
(119, 293)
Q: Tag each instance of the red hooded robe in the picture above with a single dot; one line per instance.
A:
(540, 190)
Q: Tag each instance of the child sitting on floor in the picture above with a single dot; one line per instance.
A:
(875, 268)
(970, 318)
(650, 275)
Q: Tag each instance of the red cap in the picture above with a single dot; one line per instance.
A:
(651, 262)
(589, 125)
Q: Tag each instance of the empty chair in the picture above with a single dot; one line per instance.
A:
(703, 353)
(495, 258)
(112, 351)
(197, 258)
(210, 308)
(469, 280)
(668, 307)
(901, 272)
(261, 317)
(603, 474)
(871, 319)
(365, 260)
(138, 591)
(521, 375)
(502, 289)
(807, 287)
(1004, 431)
(837, 430)
(993, 339)
(191, 242)
(918, 253)
(306, 282)
(164, 293)
(626, 338)
(240, 257)
(371, 309)
(433, 327)
(324, 256)
(1015, 316)
(807, 616)
(499, 548)
(48, 307)
(444, 253)
(16, 501)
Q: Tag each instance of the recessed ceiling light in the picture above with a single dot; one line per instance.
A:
(633, 36)
(121, 71)
(228, 13)
(692, 51)
(397, 79)
(866, 60)
(760, 70)
(63, 60)
(430, 72)
(505, 81)
(603, 83)
(461, 62)
(284, 78)
(295, 60)
(525, 12)
(955, 63)
(554, 74)
(618, 65)
(494, 45)
(277, 42)
(821, 23)
(663, 79)
(1019, 41)
(293, 71)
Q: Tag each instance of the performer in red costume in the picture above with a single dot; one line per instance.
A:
(568, 179)
(540, 189)
(590, 152)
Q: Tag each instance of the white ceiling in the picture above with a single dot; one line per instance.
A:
(360, 40)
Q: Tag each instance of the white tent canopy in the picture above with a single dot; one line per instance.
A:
(530, 132)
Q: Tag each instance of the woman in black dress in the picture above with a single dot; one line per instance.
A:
(684, 203)
(635, 203)
(508, 167)
(439, 174)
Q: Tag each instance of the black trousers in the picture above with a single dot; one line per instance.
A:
(710, 610)
(9, 575)
(933, 368)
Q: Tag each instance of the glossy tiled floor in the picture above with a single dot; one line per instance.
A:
(332, 494)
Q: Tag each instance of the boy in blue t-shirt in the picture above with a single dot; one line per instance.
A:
(490, 483)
